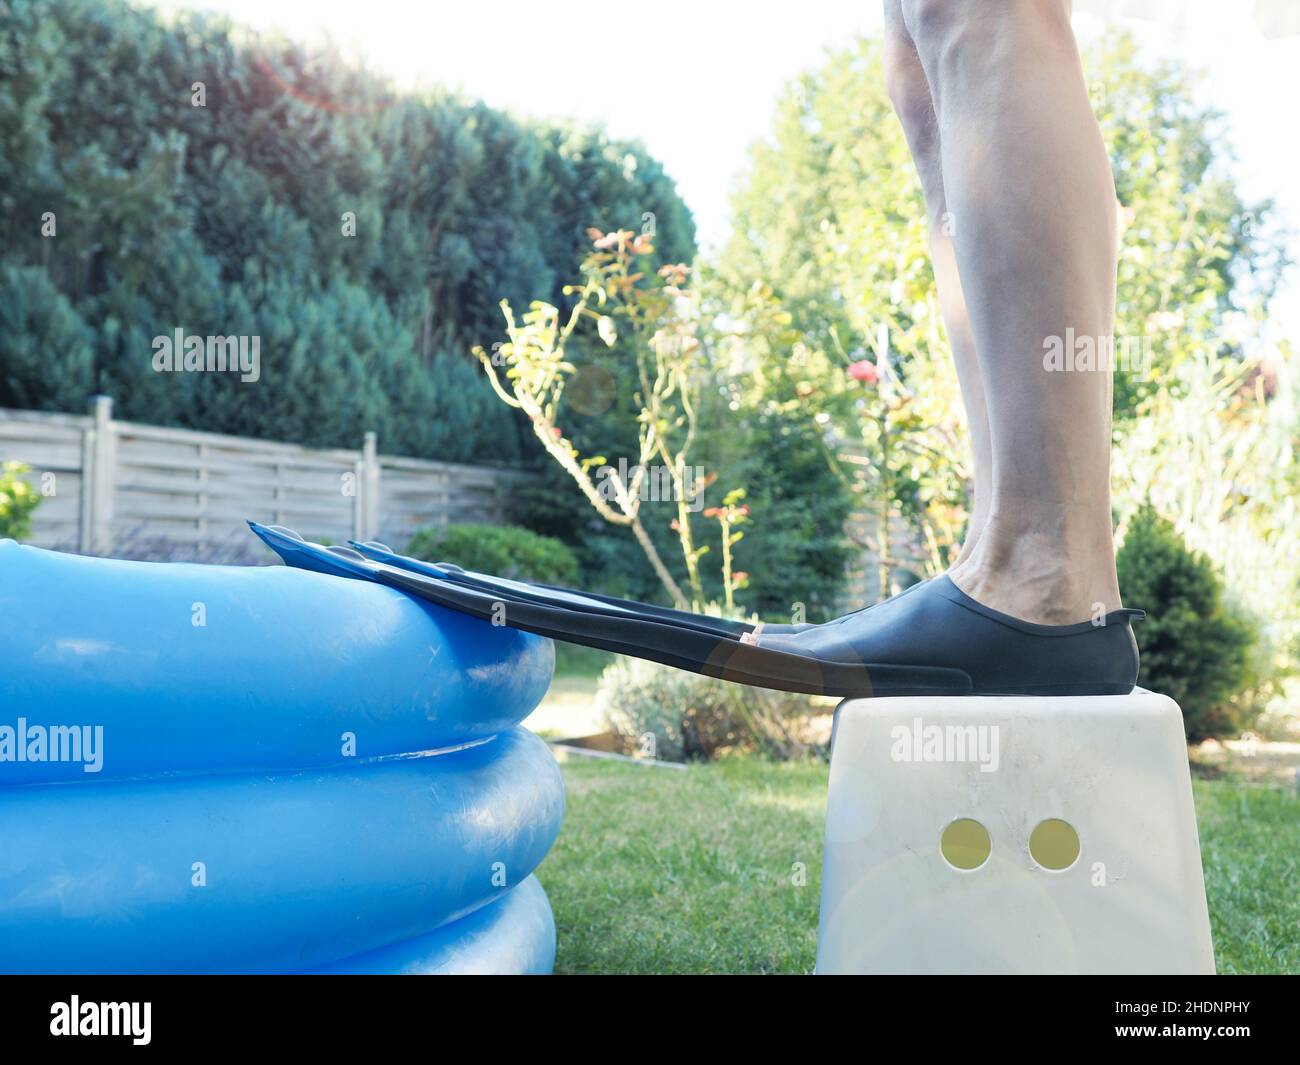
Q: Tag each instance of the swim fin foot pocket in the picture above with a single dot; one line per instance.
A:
(931, 639)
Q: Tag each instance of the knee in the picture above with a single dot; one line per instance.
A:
(932, 20)
(950, 32)
(945, 31)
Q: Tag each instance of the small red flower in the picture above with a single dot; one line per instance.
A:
(863, 370)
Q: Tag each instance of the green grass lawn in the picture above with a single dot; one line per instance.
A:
(698, 870)
(1250, 850)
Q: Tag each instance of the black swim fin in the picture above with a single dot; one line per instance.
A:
(930, 640)
(726, 656)
(556, 595)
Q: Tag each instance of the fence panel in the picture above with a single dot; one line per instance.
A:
(114, 487)
(417, 493)
(122, 487)
(52, 445)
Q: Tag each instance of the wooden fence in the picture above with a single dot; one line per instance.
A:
(114, 487)
(120, 487)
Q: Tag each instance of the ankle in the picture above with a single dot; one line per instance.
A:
(1044, 599)
(1047, 579)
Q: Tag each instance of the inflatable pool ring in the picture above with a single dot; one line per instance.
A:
(268, 873)
(225, 769)
(191, 667)
(515, 934)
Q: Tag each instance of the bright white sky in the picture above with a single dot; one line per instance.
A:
(697, 84)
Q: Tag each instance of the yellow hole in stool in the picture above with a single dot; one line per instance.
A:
(965, 844)
(1054, 844)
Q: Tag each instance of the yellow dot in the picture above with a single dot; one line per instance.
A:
(1054, 844)
(965, 844)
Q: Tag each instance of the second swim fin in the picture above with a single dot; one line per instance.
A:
(556, 595)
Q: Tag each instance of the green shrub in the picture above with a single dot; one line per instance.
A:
(666, 713)
(502, 550)
(1195, 649)
(18, 500)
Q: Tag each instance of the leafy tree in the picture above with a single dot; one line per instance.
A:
(1194, 252)
(49, 352)
(365, 236)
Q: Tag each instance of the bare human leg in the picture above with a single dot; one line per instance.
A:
(910, 93)
(1027, 182)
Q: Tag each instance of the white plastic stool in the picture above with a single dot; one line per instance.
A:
(1112, 768)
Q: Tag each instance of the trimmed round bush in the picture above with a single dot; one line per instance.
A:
(501, 550)
(676, 716)
(1194, 648)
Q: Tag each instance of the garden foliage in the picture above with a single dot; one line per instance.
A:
(501, 550)
(183, 173)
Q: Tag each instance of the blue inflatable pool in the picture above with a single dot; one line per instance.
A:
(235, 769)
